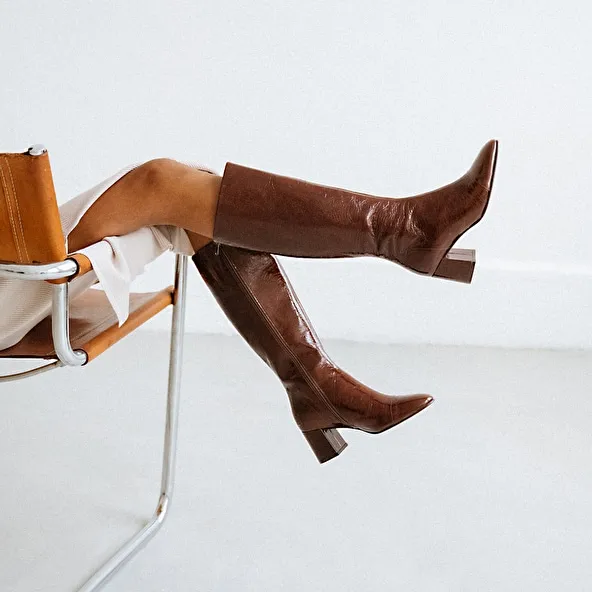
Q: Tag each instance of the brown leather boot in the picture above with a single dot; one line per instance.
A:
(257, 297)
(270, 213)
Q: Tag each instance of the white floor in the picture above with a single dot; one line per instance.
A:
(488, 489)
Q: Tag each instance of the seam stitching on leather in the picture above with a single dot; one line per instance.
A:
(311, 382)
(301, 313)
(299, 310)
(12, 225)
(18, 211)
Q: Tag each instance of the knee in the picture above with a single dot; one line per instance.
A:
(158, 174)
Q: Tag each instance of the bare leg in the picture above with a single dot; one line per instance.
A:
(160, 191)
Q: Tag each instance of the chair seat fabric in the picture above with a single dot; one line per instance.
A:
(93, 324)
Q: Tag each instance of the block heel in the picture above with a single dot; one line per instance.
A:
(457, 265)
(326, 444)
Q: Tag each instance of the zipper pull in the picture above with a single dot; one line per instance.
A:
(217, 248)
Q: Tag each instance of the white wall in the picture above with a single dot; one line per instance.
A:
(388, 97)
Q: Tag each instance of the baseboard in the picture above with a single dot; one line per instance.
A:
(509, 304)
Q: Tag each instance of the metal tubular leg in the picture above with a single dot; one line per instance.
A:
(60, 328)
(170, 440)
(32, 372)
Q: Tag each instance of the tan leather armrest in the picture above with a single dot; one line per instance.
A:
(84, 266)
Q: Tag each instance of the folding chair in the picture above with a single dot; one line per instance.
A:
(32, 249)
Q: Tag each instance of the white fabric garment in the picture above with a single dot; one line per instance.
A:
(116, 261)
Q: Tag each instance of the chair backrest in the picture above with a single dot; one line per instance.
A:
(30, 227)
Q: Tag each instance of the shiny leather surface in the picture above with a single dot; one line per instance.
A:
(257, 297)
(30, 228)
(93, 324)
(276, 214)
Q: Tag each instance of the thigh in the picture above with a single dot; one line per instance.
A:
(158, 192)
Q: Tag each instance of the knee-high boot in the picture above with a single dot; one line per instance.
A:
(257, 297)
(286, 216)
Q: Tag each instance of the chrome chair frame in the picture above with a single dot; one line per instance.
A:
(69, 357)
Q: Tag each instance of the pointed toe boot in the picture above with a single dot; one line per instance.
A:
(271, 213)
(256, 296)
